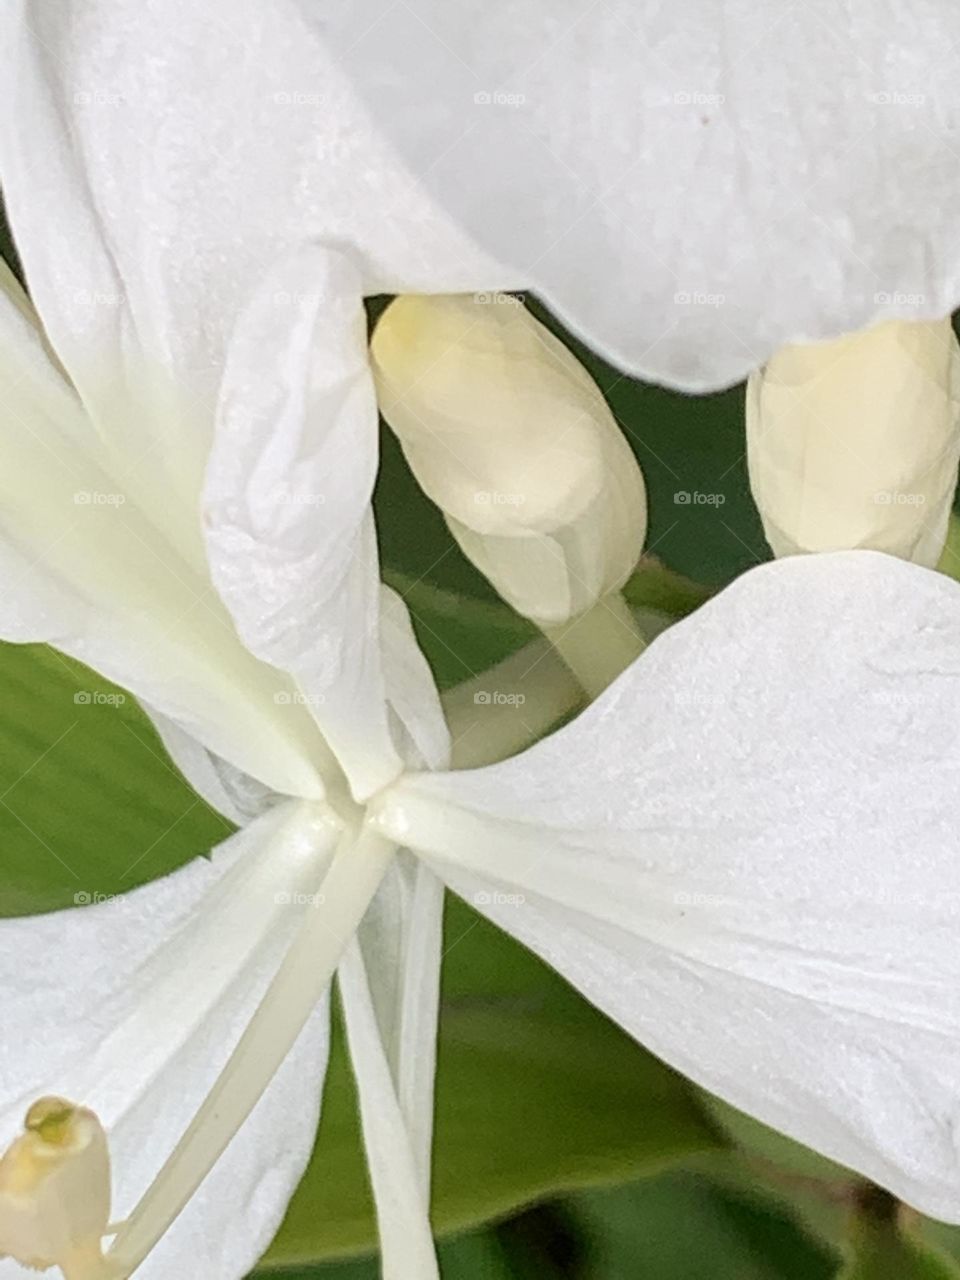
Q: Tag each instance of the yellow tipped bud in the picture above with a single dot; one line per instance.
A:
(510, 436)
(855, 443)
(55, 1190)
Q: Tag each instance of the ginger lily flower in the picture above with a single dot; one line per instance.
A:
(710, 853)
(727, 880)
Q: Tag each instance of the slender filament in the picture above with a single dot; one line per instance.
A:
(353, 878)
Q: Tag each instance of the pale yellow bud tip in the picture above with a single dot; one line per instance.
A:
(55, 1190)
(509, 435)
(855, 443)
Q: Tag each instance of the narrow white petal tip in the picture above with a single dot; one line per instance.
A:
(55, 1191)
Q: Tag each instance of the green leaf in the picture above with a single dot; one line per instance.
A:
(942, 1237)
(775, 1148)
(89, 803)
(461, 635)
(479, 1255)
(882, 1250)
(949, 562)
(536, 1092)
(683, 1227)
(654, 586)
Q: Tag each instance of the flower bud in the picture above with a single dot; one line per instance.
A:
(855, 443)
(55, 1190)
(513, 440)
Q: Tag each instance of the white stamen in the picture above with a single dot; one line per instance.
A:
(55, 1191)
(354, 876)
(599, 644)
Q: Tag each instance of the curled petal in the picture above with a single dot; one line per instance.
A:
(289, 528)
(87, 568)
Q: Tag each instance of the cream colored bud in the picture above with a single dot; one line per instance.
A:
(855, 443)
(55, 1190)
(510, 436)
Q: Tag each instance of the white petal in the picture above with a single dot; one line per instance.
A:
(401, 939)
(406, 1244)
(681, 183)
(410, 688)
(236, 795)
(287, 501)
(36, 399)
(86, 568)
(745, 851)
(133, 1006)
(183, 147)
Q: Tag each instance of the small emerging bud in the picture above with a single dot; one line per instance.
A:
(513, 440)
(855, 443)
(55, 1190)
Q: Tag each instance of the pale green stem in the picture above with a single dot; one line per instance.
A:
(299, 984)
(599, 644)
(507, 707)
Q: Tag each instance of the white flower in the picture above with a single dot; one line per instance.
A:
(257, 640)
(683, 186)
(855, 443)
(762, 889)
